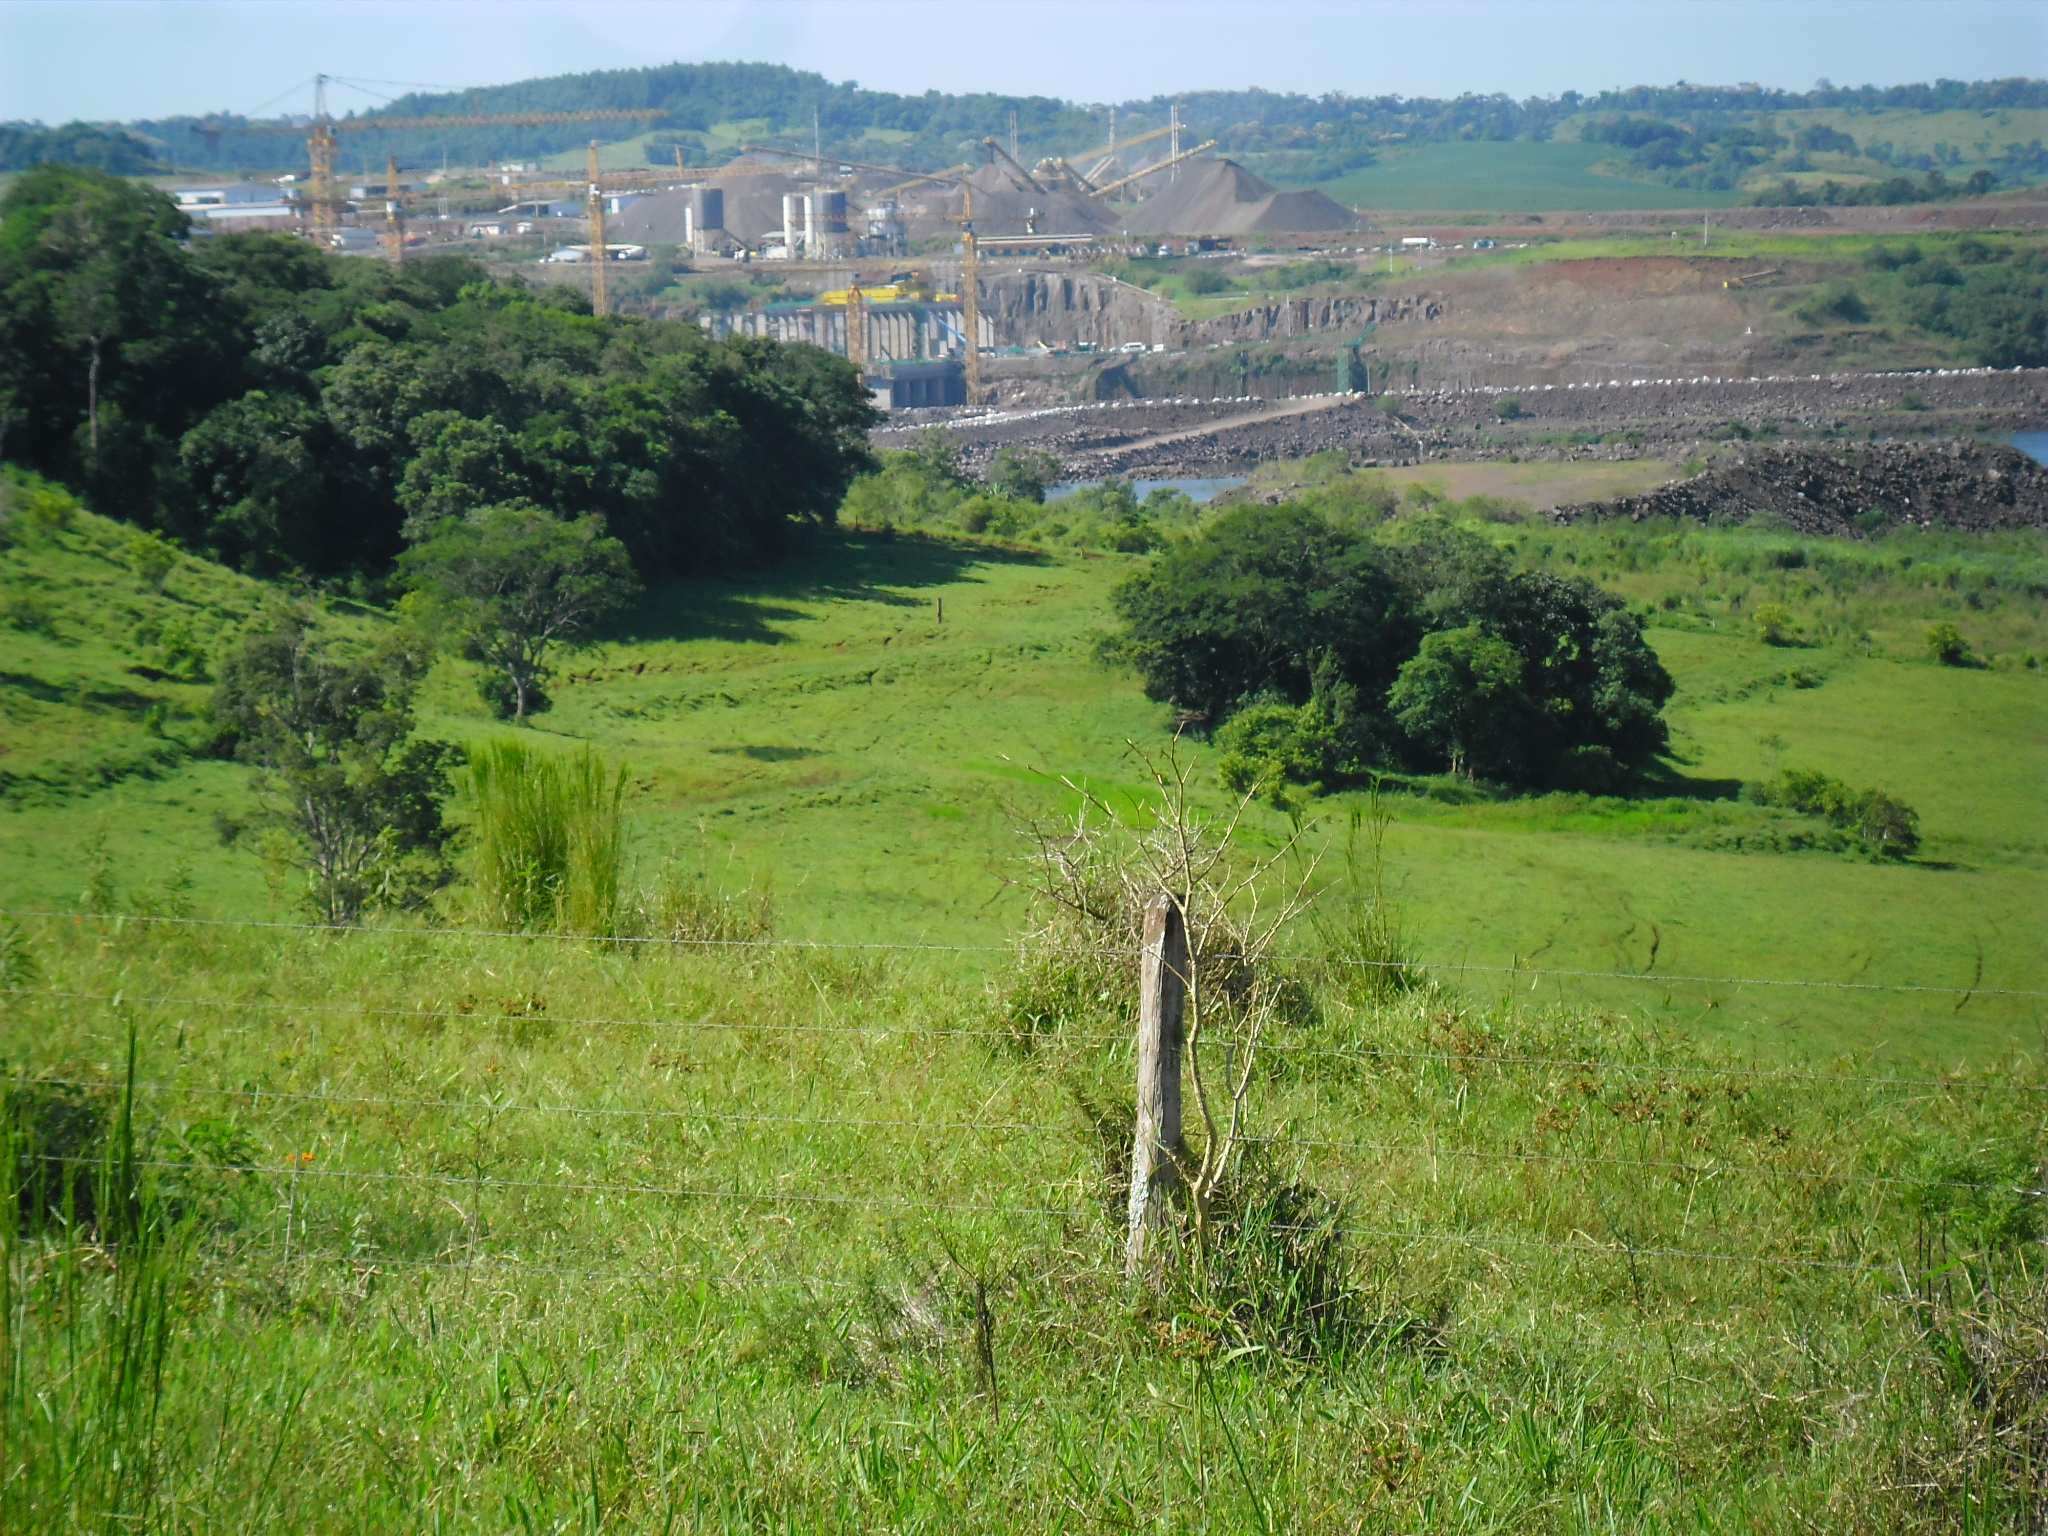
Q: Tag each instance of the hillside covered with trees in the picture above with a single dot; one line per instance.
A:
(1285, 136)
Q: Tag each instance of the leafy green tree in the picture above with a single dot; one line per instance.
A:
(1508, 408)
(112, 340)
(1460, 696)
(272, 475)
(513, 582)
(358, 798)
(1253, 604)
(1024, 474)
(1279, 605)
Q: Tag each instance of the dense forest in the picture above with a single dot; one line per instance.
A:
(290, 412)
(1284, 135)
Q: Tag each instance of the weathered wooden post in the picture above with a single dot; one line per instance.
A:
(1163, 990)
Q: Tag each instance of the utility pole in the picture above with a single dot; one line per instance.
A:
(970, 300)
(817, 143)
(599, 300)
(1173, 143)
(1013, 133)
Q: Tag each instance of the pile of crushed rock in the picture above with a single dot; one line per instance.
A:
(1972, 485)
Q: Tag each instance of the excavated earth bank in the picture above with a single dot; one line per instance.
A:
(1975, 486)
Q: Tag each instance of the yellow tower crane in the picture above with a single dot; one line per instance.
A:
(323, 207)
(970, 296)
(394, 215)
(856, 325)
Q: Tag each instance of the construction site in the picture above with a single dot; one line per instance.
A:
(1150, 269)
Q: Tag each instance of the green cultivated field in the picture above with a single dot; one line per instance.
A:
(1507, 176)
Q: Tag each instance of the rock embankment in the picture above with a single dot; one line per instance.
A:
(1971, 485)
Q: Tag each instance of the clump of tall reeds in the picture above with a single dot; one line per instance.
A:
(549, 838)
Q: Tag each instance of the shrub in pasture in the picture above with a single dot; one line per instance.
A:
(549, 838)
(1945, 643)
(1508, 408)
(1366, 956)
(152, 558)
(1886, 825)
(1102, 873)
(358, 801)
(55, 1139)
(1774, 624)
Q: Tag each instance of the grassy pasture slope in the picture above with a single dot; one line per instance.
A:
(485, 1234)
(821, 730)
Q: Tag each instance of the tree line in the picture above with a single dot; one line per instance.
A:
(286, 411)
(1284, 132)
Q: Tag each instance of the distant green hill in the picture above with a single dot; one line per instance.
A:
(1291, 139)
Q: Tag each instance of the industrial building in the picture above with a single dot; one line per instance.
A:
(908, 386)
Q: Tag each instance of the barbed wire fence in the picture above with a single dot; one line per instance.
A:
(569, 1184)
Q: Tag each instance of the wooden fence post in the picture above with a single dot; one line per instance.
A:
(1163, 985)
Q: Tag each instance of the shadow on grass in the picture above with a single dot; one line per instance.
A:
(1672, 785)
(862, 565)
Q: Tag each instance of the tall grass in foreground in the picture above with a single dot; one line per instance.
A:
(549, 832)
(471, 1233)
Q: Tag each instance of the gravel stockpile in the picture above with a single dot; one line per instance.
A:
(1959, 484)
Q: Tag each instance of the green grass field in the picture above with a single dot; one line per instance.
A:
(466, 1234)
(433, 1229)
(1508, 176)
(823, 732)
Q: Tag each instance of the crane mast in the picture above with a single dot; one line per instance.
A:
(599, 299)
(856, 325)
(970, 298)
(394, 214)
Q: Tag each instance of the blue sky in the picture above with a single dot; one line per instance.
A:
(118, 59)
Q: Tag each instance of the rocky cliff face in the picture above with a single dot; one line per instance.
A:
(1304, 317)
(1067, 307)
(1062, 308)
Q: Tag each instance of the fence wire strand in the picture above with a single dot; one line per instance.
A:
(1365, 1054)
(257, 1096)
(1458, 967)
